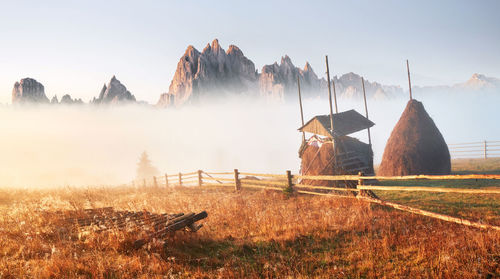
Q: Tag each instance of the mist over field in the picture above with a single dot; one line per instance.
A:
(87, 145)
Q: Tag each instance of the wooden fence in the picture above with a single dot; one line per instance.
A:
(289, 183)
(479, 149)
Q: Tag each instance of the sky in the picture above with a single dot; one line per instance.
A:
(76, 46)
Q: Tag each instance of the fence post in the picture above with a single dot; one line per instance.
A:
(289, 178)
(485, 152)
(237, 182)
(180, 179)
(360, 179)
(200, 181)
(166, 180)
(144, 182)
(155, 182)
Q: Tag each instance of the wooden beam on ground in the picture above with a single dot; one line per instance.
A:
(430, 189)
(430, 214)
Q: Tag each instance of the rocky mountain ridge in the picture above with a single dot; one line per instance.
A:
(211, 73)
(215, 73)
(30, 91)
(114, 93)
(476, 84)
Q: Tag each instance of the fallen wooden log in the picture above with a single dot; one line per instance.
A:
(153, 225)
(186, 221)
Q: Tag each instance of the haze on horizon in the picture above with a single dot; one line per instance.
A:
(74, 47)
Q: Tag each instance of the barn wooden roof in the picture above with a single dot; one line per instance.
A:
(344, 123)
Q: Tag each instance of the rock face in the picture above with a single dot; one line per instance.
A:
(28, 90)
(476, 84)
(415, 146)
(215, 73)
(349, 86)
(211, 73)
(114, 93)
(279, 82)
(480, 82)
(54, 100)
(67, 100)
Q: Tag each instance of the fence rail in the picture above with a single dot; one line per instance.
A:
(479, 149)
(298, 183)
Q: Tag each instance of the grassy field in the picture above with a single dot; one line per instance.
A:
(467, 166)
(475, 207)
(257, 234)
(249, 234)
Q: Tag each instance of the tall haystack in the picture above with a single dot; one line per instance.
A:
(415, 146)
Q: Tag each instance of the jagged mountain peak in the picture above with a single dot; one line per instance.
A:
(286, 60)
(482, 77)
(478, 76)
(215, 45)
(113, 93)
(28, 90)
(479, 82)
(350, 76)
(212, 72)
(234, 50)
(207, 48)
(307, 67)
(191, 51)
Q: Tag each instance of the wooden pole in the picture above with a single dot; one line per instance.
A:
(180, 179)
(144, 182)
(360, 179)
(237, 182)
(485, 151)
(329, 94)
(166, 180)
(331, 110)
(200, 181)
(409, 81)
(335, 96)
(301, 111)
(155, 182)
(289, 179)
(366, 110)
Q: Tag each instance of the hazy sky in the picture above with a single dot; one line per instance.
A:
(76, 46)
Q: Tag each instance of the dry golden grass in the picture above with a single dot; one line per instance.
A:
(247, 234)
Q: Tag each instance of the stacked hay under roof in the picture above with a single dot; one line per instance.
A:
(415, 146)
(351, 157)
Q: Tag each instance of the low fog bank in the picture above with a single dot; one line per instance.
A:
(83, 145)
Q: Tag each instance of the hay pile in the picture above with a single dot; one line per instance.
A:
(415, 146)
(320, 160)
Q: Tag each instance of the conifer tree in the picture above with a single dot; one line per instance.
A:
(144, 168)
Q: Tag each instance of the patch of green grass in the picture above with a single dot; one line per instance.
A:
(476, 207)
(470, 166)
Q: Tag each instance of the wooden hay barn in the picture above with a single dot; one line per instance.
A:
(331, 151)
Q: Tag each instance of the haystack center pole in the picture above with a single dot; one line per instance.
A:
(409, 81)
(329, 94)
(301, 111)
(366, 110)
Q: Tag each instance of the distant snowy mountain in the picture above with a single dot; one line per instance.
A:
(477, 84)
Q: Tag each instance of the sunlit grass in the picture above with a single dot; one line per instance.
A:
(247, 234)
